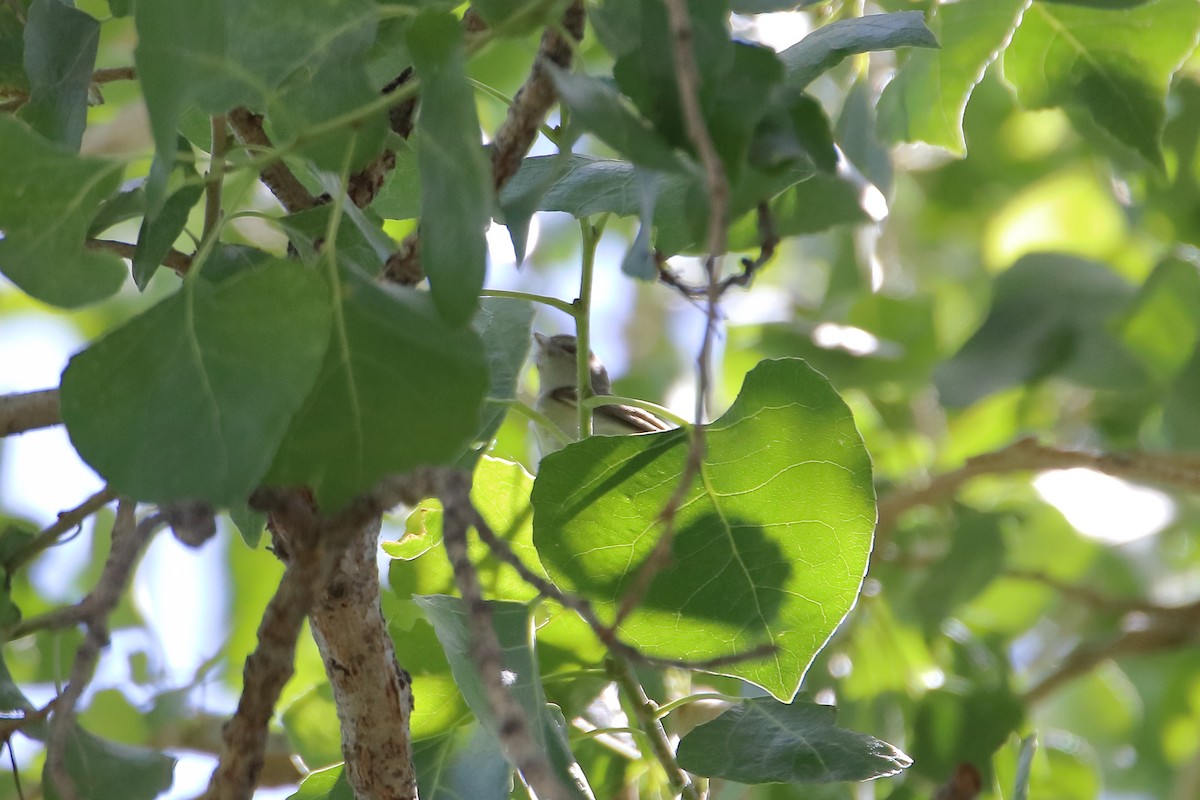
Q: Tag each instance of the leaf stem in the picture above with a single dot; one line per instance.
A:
(553, 302)
(531, 413)
(582, 313)
(214, 182)
(667, 708)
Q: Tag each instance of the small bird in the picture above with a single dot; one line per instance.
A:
(557, 399)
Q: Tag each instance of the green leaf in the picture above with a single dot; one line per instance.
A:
(250, 524)
(970, 724)
(598, 107)
(500, 490)
(513, 17)
(307, 230)
(399, 389)
(812, 205)
(60, 52)
(645, 66)
(12, 50)
(190, 399)
(460, 764)
(213, 56)
(763, 741)
(324, 784)
(1163, 322)
(513, 629)
(93, 763)
(1114, 64)
(975, 557)
(926, 100)
(1051, 315)
(47, 199)
(311, 723)
(400, 197)
(505, 326)
(781, 519)
(456, 201)
(160, 230)
(322, 92)
(126, 204)
(827, 46)
(14, 703)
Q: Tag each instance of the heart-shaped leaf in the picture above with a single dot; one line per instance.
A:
(771, 541)
(190, 399)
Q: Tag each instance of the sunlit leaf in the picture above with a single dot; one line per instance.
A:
(781, 520)
(926, 100)
(500, 490)
(828, 45)
(1114, 64)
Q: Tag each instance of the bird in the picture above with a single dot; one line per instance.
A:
(557, 399)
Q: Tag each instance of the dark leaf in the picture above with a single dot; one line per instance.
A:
(764, 741)
(455, 176)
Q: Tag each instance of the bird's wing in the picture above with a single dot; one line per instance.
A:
(638, 420)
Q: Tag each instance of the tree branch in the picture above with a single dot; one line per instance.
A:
(128, 539)
(512, 725)
(373, 693)
(1164, 629)
(535, 98)
(1027, 455)
(175, 260)
(515, 135)
(28, 411)
(279, 178)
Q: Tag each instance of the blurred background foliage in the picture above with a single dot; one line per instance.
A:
(1045, 284)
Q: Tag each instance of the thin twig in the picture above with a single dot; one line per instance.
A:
(114, 74)
(270, 666)
(49, 536)
(512, 724)
(214, 182)
(605, 633)
(651, 723)
(128, 538)
(28, 411)
(768, 241)
(688, 80)
(175, 260)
